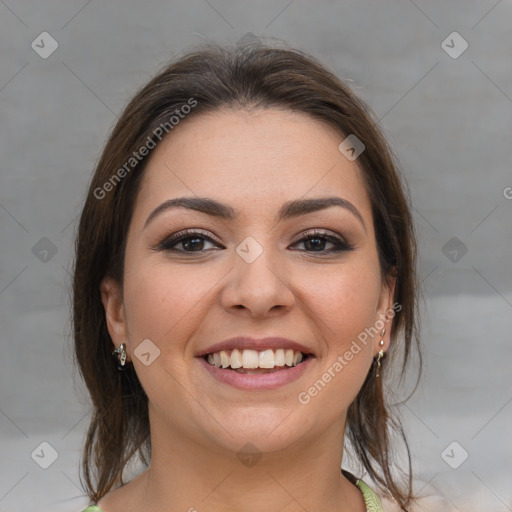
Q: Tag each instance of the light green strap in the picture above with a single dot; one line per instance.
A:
(371, 500)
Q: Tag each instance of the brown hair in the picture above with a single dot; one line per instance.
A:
(214, 77)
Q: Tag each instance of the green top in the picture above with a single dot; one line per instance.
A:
(371, 500)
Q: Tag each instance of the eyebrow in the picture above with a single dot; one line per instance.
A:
(289, 209)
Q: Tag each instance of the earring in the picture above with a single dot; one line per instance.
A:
(120, 356)
(380, 356)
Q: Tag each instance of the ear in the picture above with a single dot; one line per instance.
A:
(112, 299)
(385, 312)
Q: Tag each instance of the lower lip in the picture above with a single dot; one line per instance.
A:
(257, 382)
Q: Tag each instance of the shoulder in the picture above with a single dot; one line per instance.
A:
(92, 508)
(430, 503)
(429, 499)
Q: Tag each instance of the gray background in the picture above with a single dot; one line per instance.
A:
(449, 120)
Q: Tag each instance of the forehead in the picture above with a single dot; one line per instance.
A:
(252, 159)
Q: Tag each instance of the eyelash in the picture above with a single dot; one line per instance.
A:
(168, 243)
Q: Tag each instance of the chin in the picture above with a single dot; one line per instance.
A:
(267, 429)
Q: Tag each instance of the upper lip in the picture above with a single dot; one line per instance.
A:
(248, 343)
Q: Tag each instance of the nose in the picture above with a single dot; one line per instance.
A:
(259, 289)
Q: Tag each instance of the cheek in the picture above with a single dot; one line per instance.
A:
(344, 306)
(345, 299)
(163, 302)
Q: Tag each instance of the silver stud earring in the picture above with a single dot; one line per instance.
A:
(120, 356)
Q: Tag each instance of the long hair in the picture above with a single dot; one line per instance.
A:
(211, 78)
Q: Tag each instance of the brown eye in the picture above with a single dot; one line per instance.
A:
(190, 241)
(316, 241)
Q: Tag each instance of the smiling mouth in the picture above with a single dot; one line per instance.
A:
(256, 362)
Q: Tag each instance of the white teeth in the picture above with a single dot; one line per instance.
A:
(255, 359)
(224, 359)
(266, 359)
(288, 355)
(279, 357)
(250, 359)
(236, 359)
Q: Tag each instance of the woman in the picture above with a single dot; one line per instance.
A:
(247, 255)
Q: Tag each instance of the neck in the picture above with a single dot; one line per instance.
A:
(186, 475)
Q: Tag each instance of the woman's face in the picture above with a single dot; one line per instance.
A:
(272, 265)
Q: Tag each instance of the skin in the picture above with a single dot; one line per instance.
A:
(254, 162)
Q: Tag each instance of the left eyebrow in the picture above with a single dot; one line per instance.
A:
(303, 206)
(289, 209)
